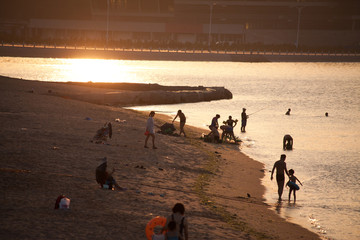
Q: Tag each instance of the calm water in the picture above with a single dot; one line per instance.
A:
(326, 149)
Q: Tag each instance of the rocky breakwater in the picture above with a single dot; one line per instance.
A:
(134, 94)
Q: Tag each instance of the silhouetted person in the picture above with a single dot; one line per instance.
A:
(293, 179)
(288, 112)
(229, 128)
(181, 223)
(105, 178)
(150, 130)
(182, 121)
(214, 127)
(280, 166)
(244, 118)
(326, 114)
(287, 142)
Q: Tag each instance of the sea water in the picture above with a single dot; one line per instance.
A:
(326, 149)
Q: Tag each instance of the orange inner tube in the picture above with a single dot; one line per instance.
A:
(150, 226)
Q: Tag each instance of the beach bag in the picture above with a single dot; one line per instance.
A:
(62, 202)
(167, 128)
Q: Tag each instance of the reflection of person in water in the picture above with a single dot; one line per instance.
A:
(288, 112)
(287, 142)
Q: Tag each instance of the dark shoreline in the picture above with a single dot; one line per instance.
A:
(156, 55)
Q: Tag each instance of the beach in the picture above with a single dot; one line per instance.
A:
(46, 150)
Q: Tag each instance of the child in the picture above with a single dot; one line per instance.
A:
(293, 187)
(176, 224)
(171, 234)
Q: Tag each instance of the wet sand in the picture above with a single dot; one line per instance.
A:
(46, 151)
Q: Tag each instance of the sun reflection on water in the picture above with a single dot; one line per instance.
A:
(95, 70)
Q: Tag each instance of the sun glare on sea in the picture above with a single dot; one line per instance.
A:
(97, 70)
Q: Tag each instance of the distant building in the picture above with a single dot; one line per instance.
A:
(170, 23)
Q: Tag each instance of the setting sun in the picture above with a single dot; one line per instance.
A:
(96, 70)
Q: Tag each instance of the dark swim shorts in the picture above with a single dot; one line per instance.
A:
(280, 178)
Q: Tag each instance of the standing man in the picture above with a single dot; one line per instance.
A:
(182, 121)
(244, 118)
(214, 128)
(280, 166)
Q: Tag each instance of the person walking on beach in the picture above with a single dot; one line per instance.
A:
(244, 118)
(150, 131)
(182, 117)
(293, 179)
(280, 166)
(178, 218)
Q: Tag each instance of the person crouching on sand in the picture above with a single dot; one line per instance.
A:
(150, 131)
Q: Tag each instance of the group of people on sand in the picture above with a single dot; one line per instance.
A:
(150, 127)
(227, 128)
(176, 226)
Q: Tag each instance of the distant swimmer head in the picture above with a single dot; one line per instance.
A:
(326, 114)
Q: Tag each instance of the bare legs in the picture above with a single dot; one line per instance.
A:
(291, 189)
(153, 140)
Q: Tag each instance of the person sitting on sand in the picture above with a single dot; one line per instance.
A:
(104, 178)
(182, 117)
(150, 130)
(102, 134)
(287, 142)
(180, 221)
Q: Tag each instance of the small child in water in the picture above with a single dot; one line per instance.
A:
(293, 179)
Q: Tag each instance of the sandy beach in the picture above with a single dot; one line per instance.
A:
(46, 150)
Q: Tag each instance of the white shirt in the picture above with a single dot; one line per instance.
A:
(150, 125)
